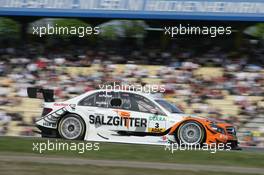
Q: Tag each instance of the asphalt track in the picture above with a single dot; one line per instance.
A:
(252, 149)
(128, 164)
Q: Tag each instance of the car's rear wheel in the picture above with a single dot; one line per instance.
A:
(191, 133)
(71, 127)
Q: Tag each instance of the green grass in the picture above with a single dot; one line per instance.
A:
(140, 153)
(8, 168)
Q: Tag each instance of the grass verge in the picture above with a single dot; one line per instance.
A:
(147, 153)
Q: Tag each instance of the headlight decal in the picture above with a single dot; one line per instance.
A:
(216, 128)
(209, 129)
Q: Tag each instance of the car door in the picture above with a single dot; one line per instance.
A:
(96, 108)
(140, 114)
(156, 118)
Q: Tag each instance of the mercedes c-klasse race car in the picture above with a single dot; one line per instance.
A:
(128, 117)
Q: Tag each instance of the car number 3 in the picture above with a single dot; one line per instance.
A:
(156, 125)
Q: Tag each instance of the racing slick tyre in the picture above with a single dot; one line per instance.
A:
(190, 133)
(71, 127)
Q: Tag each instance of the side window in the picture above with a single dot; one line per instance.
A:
(139, 103)
(145, 105)
(112, 99)
(88, 101)
(126, 102)
(98, 100)
(101, 99)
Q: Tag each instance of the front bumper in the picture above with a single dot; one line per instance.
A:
(234, 144)
(230, 140)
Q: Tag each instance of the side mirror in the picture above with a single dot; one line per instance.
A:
(116, 102)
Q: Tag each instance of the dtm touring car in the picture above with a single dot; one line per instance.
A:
(126, 117)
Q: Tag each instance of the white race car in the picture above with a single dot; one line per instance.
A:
(128, 117)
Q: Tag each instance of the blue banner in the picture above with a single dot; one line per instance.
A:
(251, 10)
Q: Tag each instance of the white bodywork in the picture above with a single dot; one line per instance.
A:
(139, 122)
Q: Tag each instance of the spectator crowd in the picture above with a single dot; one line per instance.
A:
(239, 75)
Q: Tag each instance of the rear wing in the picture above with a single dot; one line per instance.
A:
(40, 93)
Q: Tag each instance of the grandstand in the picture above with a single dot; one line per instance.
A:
(225, 108)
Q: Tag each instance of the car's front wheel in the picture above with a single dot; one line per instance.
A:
(71, 127)
(191, 133)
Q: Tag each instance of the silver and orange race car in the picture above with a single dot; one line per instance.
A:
(126, 117)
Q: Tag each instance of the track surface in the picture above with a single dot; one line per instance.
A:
(129, 164)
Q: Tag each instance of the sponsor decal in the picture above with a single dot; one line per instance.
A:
(73, 106)
(117, 121)
(49, 124)
(61, 104)
(157, 124)
(100, 103)
(157, 118)
(156, 130)
(163, 139)
(105, 95)
(125, 115)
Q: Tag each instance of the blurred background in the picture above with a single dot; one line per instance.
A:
(221, 77)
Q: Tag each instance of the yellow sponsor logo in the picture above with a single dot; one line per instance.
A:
(156, 130)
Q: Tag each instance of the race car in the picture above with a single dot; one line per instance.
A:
(127, 117)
